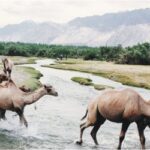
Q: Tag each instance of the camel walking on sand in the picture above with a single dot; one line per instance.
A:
(8, 65)
(125, 106)
(14, 99)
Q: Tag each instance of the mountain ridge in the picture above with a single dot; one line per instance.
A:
(126, 28)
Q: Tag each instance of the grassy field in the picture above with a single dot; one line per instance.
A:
(27, 76)
(18, 60)
(134, 75)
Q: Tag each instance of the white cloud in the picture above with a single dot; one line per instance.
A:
(14, 11)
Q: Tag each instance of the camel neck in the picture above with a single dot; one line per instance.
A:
(34, 96)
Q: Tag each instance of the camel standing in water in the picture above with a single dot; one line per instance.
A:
(8, 65)
(16, 102)
(5, 84)
(124, 107)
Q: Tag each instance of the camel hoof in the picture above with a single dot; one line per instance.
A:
(78, 142)
(26, 124)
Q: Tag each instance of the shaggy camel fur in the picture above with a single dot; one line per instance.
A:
(16, 102)
(125, 106)
(8, 65)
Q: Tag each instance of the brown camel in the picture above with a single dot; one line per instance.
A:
(4, 77)
(22, 88)
(125, 106)
(12, 98)
(8, 65)
(25, 89)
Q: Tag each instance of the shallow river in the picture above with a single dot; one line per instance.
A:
(55, 123)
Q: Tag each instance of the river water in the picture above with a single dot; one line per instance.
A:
(55, 123)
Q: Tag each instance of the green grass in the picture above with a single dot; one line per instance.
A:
(33, 81)
(20, 60)
(88, 82)
(69, 61)
(82, 81)
(23, 60)
(102, 87)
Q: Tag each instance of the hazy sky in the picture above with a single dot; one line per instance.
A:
(15, 11)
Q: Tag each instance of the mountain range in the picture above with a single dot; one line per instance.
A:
(126, 28)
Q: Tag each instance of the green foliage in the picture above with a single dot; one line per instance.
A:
(138, 54)
(88, 82)
(90, 55)
(82, 81)
(102, 87)
(33, 82)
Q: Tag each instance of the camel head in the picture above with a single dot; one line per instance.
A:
(50, 90)
(3, 77)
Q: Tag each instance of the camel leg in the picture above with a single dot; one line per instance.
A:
(22, 118)
(94, 132)
(141, 128)
(82, 124)
(97, 125)
(83, 127)
(9, 74)
(2, 114)
(5, 72)
(122, 133)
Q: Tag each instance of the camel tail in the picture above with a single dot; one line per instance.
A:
(85, 115)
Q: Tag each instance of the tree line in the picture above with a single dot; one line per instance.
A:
(138, 54)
